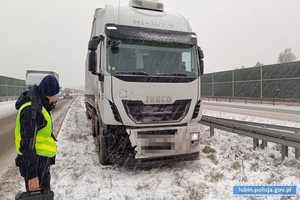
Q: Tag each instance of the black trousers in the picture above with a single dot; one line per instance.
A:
(43, 173)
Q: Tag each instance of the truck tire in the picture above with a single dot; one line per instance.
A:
(102, 143)
(102, 150)
(87, 111)
(94, 124)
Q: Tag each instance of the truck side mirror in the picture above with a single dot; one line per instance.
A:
(92, 47)
(92, 61)
(93, 65)
(94, 42)
(201, 67)
(92, 57)
(201, 56)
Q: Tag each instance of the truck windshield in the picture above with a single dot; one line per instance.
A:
(152, 59)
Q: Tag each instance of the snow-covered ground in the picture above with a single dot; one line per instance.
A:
(226, 159)
(7, 108)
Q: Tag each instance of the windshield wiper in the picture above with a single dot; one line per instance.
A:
(132, 73)
(171, 74)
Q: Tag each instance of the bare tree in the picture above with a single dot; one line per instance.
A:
(286, 56)
(258, 64)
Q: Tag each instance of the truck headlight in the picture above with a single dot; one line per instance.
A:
(194, 136)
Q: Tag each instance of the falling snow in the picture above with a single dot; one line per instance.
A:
(225, 160)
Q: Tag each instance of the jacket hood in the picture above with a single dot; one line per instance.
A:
(32, 95)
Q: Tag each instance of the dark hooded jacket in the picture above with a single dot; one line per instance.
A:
(31, 116)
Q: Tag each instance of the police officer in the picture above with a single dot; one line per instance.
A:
(34, 140)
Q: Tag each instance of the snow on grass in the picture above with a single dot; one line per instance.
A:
(226, 159)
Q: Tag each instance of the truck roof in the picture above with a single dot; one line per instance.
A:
(141, 17)
(32, 79)
(35, 76)
(29, 71)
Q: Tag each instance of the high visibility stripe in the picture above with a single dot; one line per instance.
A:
(42, 139)
(46, 147)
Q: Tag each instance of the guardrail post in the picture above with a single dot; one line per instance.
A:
(284, 151)
(211, 131)
(255, 143)
(264, 144)
(297, 153)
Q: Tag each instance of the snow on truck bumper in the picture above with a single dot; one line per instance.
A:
(165, 141)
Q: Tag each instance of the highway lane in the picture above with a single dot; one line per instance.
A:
(284, 113)
(7, 125)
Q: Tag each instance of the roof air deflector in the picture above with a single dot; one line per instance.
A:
(147, 5)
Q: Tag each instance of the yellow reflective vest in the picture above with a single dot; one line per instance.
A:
(44, 143)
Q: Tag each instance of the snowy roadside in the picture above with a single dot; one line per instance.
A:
(225, 160)
(7, 108)
(78, 174)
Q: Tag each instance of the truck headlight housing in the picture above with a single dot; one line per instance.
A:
(195, 136)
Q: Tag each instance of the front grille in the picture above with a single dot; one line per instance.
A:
(142, 113)
(146, 134)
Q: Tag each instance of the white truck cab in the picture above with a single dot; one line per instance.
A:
(142, 85)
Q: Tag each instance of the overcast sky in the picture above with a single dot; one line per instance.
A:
(53, 34)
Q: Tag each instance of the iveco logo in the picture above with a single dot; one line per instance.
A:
(158, 99)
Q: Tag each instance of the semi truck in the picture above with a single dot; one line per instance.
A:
(34, 77)
(143, 74)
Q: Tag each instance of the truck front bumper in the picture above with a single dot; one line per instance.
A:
(154, 161)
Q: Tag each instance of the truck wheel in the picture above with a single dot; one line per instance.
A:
(88, 116)
(102, 144)
(94, 124)
(102, 150)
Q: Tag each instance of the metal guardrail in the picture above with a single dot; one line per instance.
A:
(8, 98)
(270, 101)
(286, 136)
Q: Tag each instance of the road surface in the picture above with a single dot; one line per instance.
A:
(285, 113)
